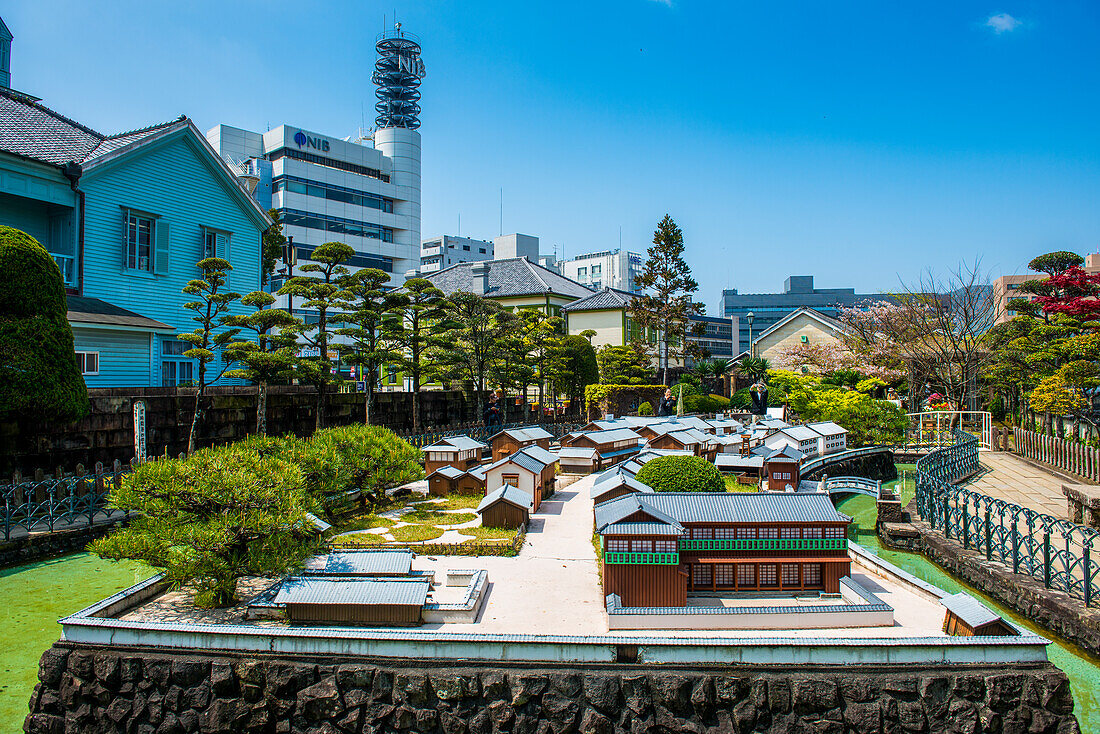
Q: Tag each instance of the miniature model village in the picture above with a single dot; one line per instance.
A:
(773, 557)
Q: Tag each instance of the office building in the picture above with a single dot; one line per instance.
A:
(616, 269)
(446, 250)
(362, 191)
(517, 245)
(798, 292)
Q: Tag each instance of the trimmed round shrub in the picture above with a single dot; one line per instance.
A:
(38, 372)
(645, 408)
(681, 474)
(705, 403)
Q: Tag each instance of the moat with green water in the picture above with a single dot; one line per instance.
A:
(36, 595)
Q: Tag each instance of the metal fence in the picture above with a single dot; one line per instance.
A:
(1056, 552)
(937, 427)
(1070, 456)
(59, 501)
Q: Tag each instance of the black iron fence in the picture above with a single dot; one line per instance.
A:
(59, 500)
(1054, 551)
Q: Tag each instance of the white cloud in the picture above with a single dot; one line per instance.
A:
(1002, 23)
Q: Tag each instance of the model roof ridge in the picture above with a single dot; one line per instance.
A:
(30, 102)
(508, 493)
(147, 128)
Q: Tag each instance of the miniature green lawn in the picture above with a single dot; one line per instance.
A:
(415, 533)
(359, 539)
(365, 522)
(732, 485)
(431, 517)
(450, 502)
(480, 534)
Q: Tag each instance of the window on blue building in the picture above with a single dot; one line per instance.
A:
(139, 242)
(175, 369)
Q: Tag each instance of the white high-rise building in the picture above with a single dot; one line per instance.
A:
(446, 250)
(617, 269)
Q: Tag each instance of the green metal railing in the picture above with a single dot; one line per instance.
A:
(651, 559)
(763, 544)
(1054, 551)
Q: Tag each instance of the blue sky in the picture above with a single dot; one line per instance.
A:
(860, 142)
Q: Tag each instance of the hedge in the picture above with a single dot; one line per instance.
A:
(38, 374)
(620, 399)
(681, 474)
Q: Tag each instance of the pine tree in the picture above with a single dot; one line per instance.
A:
(470, 334)
(367, 304)
(212, 334)
(271, 357)
(410, 329)
(272, 243)
(666, 305)
(325, 294)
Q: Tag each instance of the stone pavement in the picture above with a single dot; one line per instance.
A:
(1014, 480)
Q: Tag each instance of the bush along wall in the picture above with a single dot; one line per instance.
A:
(619, 399)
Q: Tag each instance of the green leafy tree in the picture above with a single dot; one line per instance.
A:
(269, 355)
(667, 305)
(271, 245)
(321, 289)
(573, 367)
(754, 368)
(624, 365)
(367, 304)
(471, 332)
(681, 474)
(410, 329)
(209, 519)
(212, 334)
(38, 374)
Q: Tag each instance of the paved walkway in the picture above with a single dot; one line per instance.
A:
(1014, 480)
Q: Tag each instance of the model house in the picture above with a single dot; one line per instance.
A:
(615, 483)
(687, 439)
(576, 460)
(612, 447)
(444, 481)
(658, 548)
(833, 437)
(460, 452)
(802, 438)
(505, 507)
(782, 469)
(531, 469)
(511, 440)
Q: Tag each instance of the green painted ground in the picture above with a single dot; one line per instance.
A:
(36, 595)
(32, 598)
(1083, 669)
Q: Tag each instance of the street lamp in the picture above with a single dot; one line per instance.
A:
(749, 318)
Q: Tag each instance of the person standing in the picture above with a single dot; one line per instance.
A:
(492, 415)
(666, 405)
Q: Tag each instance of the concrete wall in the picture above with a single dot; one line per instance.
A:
(790, 334)
(610, 326)
(93, 688)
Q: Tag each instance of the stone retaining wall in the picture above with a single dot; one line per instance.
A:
(37, 546)
(90, 689)
(1053, 610)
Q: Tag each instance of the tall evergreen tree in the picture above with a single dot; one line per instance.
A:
(367, 303)
(666, 304)
(271, 356)
(469, 341)
(410, 329)
(213, 333)
(323, 293)
(272, 244)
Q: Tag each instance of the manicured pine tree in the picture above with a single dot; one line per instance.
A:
(269, 355)
(325, 294)
(468, 346)
(410, 328)
(272, 243)
(213, 333)
(366, 304)
(666, 304)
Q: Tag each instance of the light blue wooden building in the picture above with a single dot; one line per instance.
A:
(126, 217)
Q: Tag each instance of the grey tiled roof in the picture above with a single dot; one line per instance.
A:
(732, 507)
(350, 563)
(801, 433)
(506, 493)
(450, 472)
(532, 461)
(788, 452)
(516, 276)
(736, 461)
(320, 590)
(32, 130)
(608, 298)
(969, 609)
(463, 442)
(525, 433)
(576, 452)
(621, 479)
(827, 428)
